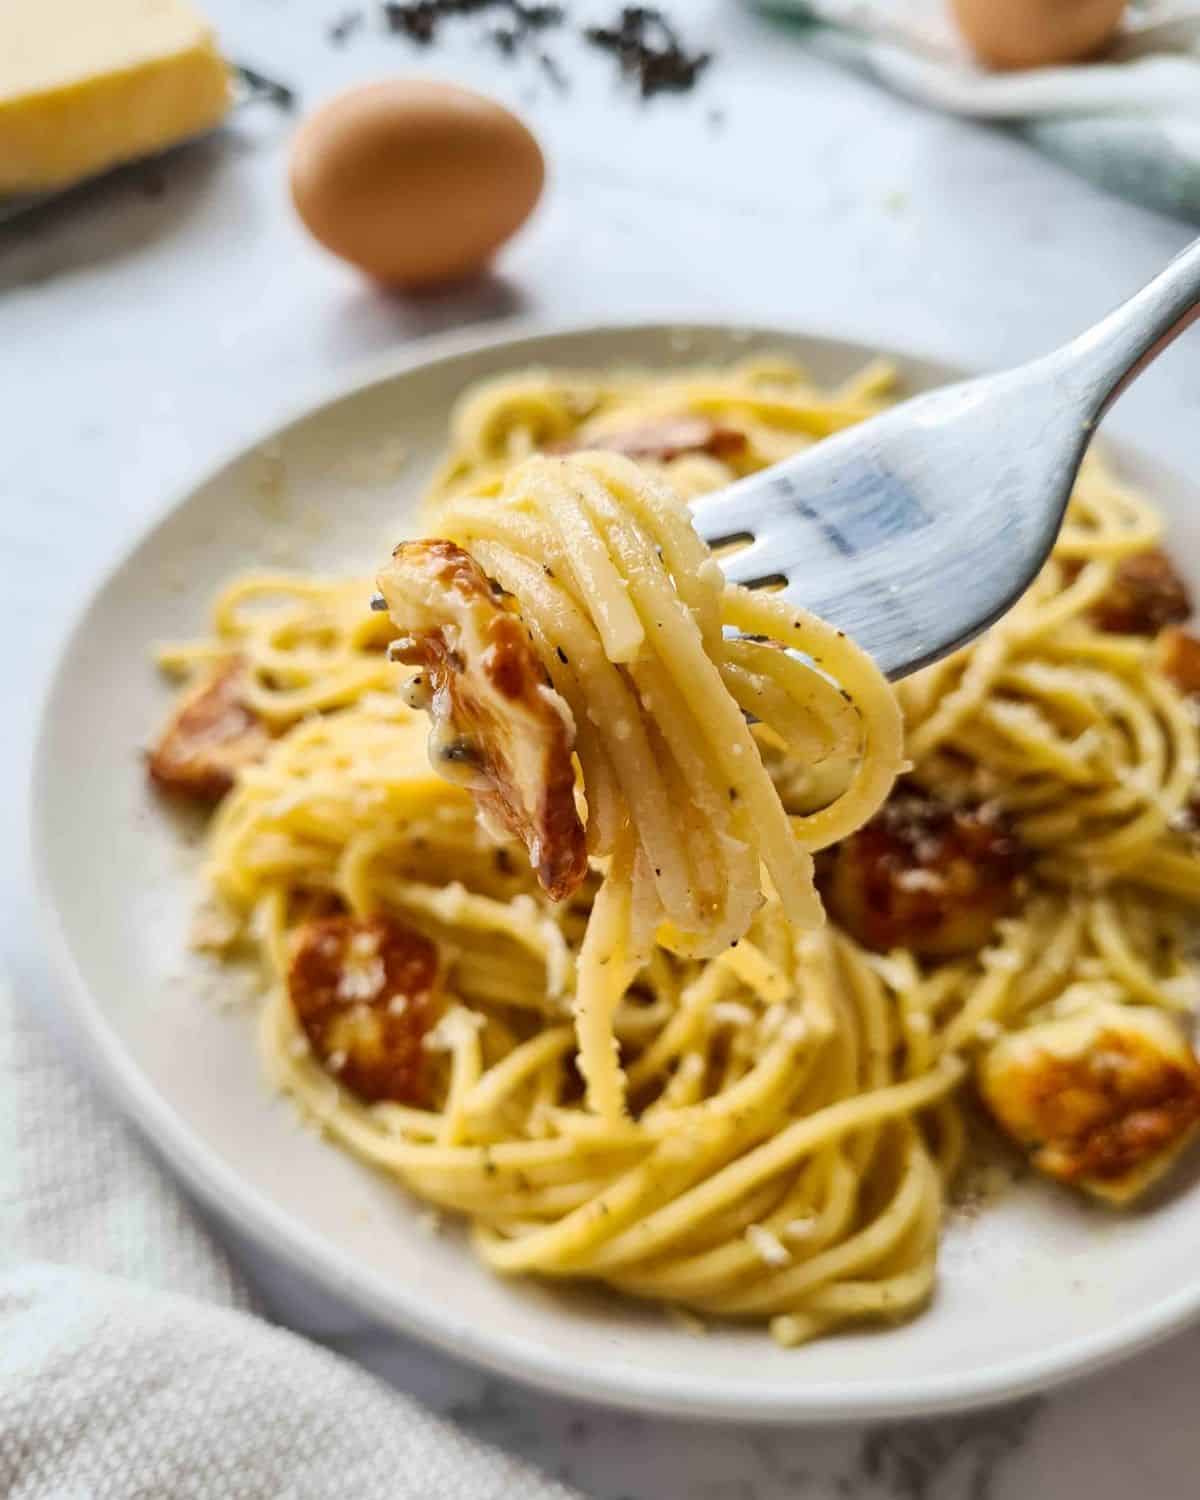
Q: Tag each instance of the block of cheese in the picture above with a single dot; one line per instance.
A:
(87, 84)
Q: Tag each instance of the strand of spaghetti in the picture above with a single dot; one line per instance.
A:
(1071, 731)
(513, 1071)
(690, 1277)
(1057, 932)
(1169, 871)
(891, 1296)
(806, 710)
(606, 966)
(798, 1140)
(523, 922)
(1126, 843)
(1109, 935)
(465, 1067)
(600, 582)
(674, 1165)
(616, 716)
(881, 727)
(680, 648)
(1048, 612)
(720, 855)
(683, 1028)
(982, 665)
(780, 1292)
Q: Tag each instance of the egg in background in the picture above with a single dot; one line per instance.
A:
(415, 182)
(1036, 33)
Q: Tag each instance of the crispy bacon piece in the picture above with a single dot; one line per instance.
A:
(1145, 595)
(1177, 654)
(924, 875)
(210, 735)
(365, 992)
(1104, 1099)
(499, 726)
(663, 439)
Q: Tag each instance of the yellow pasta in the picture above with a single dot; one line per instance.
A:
(766, 1131)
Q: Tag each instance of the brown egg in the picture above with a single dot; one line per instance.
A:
(415, 182)
(1036, 33)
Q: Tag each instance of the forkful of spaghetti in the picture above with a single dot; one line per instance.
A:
(590, 675)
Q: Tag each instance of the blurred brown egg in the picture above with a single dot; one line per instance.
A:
(415, 182)
(1036, 33)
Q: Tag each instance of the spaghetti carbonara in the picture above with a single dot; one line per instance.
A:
(605, 1023)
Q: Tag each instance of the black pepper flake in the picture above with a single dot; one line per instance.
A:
(417, 20)
(649, 51)
(259, 86)
(344, 26)
(504, 40)
(420, 20)
(733, 794)
(548, 570)
(562, 655)
(647, 46)
(557, 77)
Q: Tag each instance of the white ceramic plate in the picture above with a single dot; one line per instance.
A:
(1036, 1289)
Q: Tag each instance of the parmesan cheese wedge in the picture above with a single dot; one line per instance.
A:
(88, 84)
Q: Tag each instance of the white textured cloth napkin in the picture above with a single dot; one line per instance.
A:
(1129, 122)
(115, 1387)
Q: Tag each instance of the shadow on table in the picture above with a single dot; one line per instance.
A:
(369, 319)
(113, 215)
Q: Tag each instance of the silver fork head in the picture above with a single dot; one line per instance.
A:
(917, 529)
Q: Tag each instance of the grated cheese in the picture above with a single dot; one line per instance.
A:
(362, 981)
(800, 1228)
(767, 1245)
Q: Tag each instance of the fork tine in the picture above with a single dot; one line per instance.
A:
(751, 563)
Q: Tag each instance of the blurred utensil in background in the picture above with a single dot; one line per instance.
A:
(1128, 119)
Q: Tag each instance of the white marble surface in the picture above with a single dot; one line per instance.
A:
(157, 318)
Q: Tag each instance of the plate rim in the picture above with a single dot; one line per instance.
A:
(276, 1231)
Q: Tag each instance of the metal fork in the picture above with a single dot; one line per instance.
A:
(917, 529)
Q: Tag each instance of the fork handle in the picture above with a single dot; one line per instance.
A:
(1116, 351)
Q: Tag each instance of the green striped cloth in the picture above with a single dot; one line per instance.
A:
(1130, 123)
